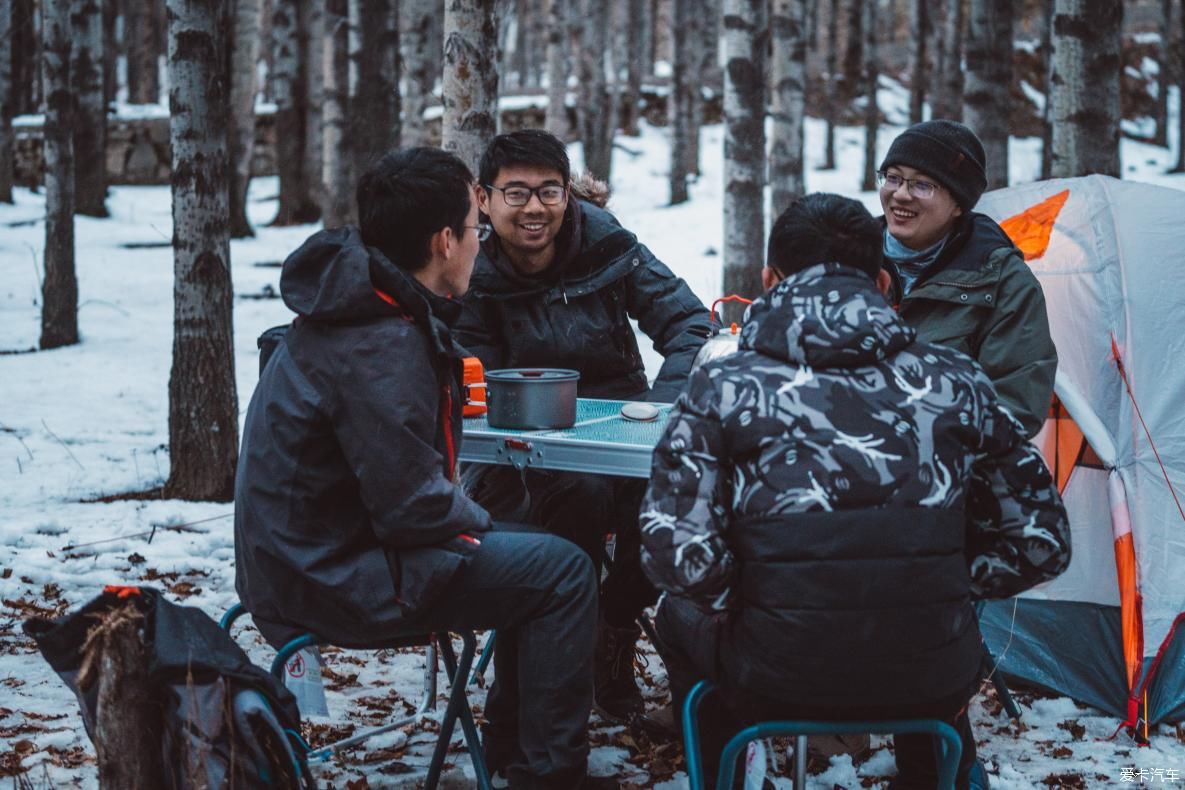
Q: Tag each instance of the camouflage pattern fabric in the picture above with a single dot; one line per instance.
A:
(832, 405)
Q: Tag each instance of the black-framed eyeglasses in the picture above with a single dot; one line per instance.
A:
(548, 194)
(917, 187)
(484, 229)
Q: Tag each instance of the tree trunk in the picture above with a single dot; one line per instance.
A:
(1164, 78)
(203, 404)
(244, 56)
(59, 290)
(1047, 108)
(111, 16)
(596, 108)
(948, 97)
(290, 82)
(470, 78)
(375, 127)
(987, 99)
(557, 69)
(337, 166)
(831, 101)
(418, 42)
(706, 73)
(788, 99)
(684, 85)
(919, 31)
(6, 102)
(313, 23)
(745, 41)
(127, 726)
(872, 112)
(26, 59)
(853, 57)
(1180, 166)
(1086, 109)
(635, 66)
(142, 34)
(90, 120)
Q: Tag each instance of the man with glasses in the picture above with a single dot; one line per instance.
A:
(957, 277)
(556, 286)
(348, 520)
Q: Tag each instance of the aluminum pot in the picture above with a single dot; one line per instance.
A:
(531, 398)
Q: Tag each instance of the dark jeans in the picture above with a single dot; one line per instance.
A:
(582, 508)
(689, 639)
(540, 593)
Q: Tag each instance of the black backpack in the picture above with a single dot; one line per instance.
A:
(223, 720)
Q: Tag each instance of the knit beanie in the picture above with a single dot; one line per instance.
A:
(948, 152)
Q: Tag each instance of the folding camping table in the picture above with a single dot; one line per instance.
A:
(601, 442)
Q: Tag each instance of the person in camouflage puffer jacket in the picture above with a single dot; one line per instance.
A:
(825, 503)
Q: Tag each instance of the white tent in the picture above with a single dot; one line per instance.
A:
(1110, 256)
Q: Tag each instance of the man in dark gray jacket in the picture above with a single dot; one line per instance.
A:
(556, 286)
(347, 519)
(825, 503)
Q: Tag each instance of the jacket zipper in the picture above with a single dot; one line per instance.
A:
(447, 421)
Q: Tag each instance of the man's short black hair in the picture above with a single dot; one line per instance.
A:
(407, 197)
(825, 228)
(532, 147)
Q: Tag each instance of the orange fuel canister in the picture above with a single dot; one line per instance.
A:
(473, 384)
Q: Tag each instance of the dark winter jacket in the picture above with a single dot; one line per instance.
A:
(576, 313)
(346, 517)
(841, 491)
(981, 298)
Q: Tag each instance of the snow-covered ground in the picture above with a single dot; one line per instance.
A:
(81, 423)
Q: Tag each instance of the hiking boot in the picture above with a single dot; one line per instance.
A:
(617, 695)
(659, 724)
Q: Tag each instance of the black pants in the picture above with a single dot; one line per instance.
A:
(688, 643)
(540, 593)
(583, 508)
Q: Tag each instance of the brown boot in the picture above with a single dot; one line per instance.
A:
(618, 697)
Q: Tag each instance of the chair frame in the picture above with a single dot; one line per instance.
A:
(949, 753)
(457, 670)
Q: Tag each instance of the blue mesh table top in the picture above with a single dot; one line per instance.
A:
(601, 442)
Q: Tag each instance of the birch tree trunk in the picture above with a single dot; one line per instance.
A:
(987, 97)
(1086, 68)
(470, 78)
(948, 96)
(557, 69)
(90, 119)
(788, 76)
(375, 126)
(290, 83)
(706, 72)
(1164, 77)
(6, 102)
(203, 404)
(418, 42)
(338, 162)
(833, 81)
(142, 34)
(59, 290)
(313, 23)
(745, 41)
(872, 112)
(684, 85)
(635, 66)
(919, 29)
(853, 56)
(1047, 108)
(596, 110)
(26, 64)
(243, 58)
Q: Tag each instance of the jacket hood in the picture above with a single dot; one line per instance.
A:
(827, 316)
(335, 278)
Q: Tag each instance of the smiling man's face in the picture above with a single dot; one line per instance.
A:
(527, 233)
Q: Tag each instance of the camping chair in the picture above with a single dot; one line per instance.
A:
(457, 708)
(948, 768)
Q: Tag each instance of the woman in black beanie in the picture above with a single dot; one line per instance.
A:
(957, 278)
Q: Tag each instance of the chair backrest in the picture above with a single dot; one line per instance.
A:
(951, 752)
